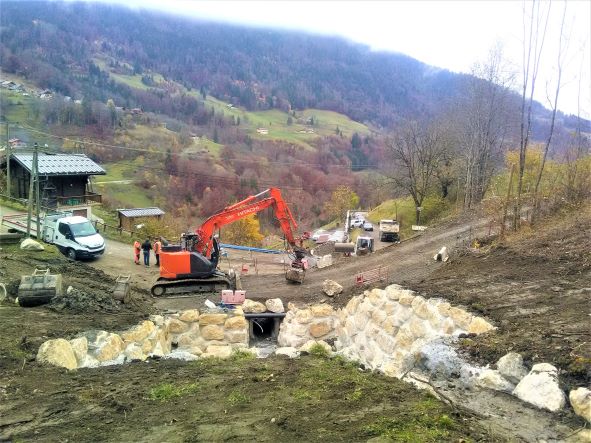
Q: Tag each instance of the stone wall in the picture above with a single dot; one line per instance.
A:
(302, 324)
(188, 334)
(384, 329)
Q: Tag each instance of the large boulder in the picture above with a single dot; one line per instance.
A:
(580, 399)
(275, 305)
(540, 388)
(307, 347)
(511, 367)
(57, 352)
(331, 288)
(492, 379)
(80, 348)
(189, 316)
(288, 351)
(255, 307)
(218, 351)
(139, 332)
(28, 244)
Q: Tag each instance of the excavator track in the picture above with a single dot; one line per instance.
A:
(189, 287)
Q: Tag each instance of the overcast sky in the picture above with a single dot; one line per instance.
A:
(448, 34)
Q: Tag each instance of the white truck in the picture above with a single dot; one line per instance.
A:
(389, 230)
(73, 235)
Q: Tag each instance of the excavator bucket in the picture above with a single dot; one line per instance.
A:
(295, 275)
(39, 288)
(122, 287)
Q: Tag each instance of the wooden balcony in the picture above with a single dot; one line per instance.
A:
(77, 200)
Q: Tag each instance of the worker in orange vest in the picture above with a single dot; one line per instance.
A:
(157, 247)
(136, 252)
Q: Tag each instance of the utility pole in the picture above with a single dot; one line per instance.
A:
(37, 199)
(34, 178)
(8, 193)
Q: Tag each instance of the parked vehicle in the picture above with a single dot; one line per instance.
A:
(74, 236)
(338, 236)
(389, 230)
(316, 234)
(357, 223)
(367, 226)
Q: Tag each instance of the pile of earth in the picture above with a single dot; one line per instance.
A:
(78, 301)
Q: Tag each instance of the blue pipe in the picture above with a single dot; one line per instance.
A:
(249, 248)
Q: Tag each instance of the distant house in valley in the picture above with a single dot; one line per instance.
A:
(130, 218)
(64, 180)
(263, 131)
(137, 111)
(16, 143)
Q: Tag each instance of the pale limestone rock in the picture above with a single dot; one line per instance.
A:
(219, 351)
(443, 308)
(290, 340)
(28, 244)
(310, 343)
(320, 328)
(288, 352)
(322, 310)
(406, 298)
(390, 326)
(110, 347)
(398, 364)
(147, 346)
(460, 317)
(404, 338)
(448, 326)
(295, 328)
(176, 326)
(80, 348)
(195, 350)
(390, 307)
(511, 367)
(291, 307)
(331, 288)
(401, 315)
(212, 319)
(274, 305)
(189, 316)
(350, 328)
(237, 322)
(238, 310)
(478, 325)
(582, 436)
(252, 306)
(236, 336)
(492, 379)
(386, 342)
(304, 316)
(353, 304)
(540, 388)
(186, 340)
(361, 320)
(139, 332)
(419, 300)
(57, 352)
(212, 332)
(393, 292)
(378, 316)
(376, 298)
(133, 351)
(158, 320)
(580, 399)
(418, 327)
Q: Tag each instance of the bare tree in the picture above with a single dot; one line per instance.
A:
(534, 34)
(562, 50)
(484, 116)
(417, 152)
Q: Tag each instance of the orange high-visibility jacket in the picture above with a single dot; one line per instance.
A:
(157, 246)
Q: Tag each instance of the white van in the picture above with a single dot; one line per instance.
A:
(73, 235)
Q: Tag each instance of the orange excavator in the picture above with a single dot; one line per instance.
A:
(192, 266)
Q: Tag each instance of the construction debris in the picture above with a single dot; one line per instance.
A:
(442, 255)
(39, 288)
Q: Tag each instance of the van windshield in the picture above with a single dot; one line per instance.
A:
(389, 223)
(82, 229)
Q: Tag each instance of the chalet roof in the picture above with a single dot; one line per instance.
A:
(140, 212)
(60, 164)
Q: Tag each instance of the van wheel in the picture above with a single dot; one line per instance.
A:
(71, 254)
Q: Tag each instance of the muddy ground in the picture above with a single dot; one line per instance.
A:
(531, 287)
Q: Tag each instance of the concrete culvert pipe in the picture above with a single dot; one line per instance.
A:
(344, 247)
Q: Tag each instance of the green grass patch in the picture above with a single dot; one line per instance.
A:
(168, 391)
(422, 427)
(238, 398)
(317, 350)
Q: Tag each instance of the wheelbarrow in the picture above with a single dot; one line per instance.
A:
(39, 288)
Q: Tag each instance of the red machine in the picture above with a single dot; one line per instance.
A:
(192, 266)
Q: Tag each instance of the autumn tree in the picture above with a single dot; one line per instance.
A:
(342, 199)
(417, 152)
(244, 232)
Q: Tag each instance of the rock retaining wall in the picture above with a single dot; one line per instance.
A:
(191, 334)
(302, 324)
